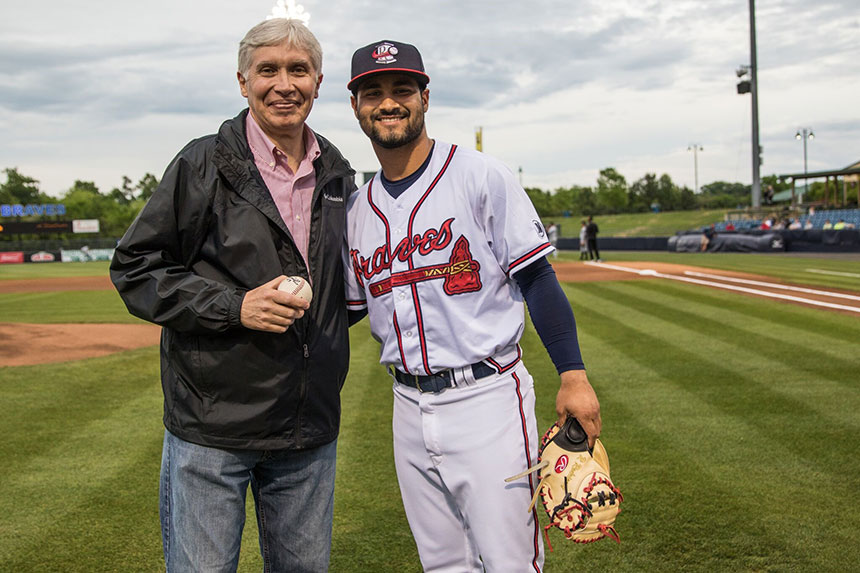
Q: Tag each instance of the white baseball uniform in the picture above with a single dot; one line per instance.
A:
(434, 269)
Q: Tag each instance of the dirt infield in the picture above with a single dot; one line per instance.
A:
(578, 272)
(24, 344)
(55, 285)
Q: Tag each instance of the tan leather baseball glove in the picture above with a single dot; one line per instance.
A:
(575, 488)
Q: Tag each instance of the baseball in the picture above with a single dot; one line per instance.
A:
(297, 286)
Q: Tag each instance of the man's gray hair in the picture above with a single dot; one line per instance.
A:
(275, 32)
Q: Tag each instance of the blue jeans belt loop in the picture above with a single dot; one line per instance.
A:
(445, 379)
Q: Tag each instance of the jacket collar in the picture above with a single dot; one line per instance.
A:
(234, 160)
(232, 136)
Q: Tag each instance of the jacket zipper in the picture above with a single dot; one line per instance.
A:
(303, 393)
(303, 389)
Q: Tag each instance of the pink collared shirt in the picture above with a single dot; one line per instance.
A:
(292, 192)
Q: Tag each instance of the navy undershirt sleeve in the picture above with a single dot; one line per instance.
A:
(354, 316)
(551, 314)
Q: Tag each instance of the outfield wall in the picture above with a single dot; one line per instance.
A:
(812, 241)
(62, 255)
(619, 243)
(70, 249)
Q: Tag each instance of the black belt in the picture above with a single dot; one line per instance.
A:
(441, 380)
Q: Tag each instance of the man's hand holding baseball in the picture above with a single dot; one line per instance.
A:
(270, 310)
(577, 398)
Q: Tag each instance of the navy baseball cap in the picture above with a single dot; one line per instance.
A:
(387, 56)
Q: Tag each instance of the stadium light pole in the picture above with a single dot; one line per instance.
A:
(750, 86)
(804, 134)
(756, 150)
(695, 148)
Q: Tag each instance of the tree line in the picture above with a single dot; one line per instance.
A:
(612, 194)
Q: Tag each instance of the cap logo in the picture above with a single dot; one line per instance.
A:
(384, 53)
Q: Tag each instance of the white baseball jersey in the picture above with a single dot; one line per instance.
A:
(434, 266)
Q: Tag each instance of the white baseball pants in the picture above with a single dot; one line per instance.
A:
(453, 451)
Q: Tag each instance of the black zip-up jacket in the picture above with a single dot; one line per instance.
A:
(210, 233)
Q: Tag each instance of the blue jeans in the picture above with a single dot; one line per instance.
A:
(202, 505)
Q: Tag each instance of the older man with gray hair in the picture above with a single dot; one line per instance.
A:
(251, 375)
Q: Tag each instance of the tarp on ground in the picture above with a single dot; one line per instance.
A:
(818, 240)
(810, 240)
(728, 242)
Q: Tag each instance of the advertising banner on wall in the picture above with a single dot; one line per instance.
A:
(85, 254)
(85, 226)
(11, 257)
(18, 210)
(44, 256)
(38, 228)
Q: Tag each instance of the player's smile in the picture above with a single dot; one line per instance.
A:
(390, 118)
(391, 130)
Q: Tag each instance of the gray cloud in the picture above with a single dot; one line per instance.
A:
(640, 74)
(496, 70)
(114, 81)
(20, 57)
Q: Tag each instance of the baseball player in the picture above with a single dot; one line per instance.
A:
(444, 246)
(552, 235)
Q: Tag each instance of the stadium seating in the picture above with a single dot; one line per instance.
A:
(850, 216)
(739, 224)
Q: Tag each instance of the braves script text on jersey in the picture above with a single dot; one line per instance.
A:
(434, 269)
(433, 266)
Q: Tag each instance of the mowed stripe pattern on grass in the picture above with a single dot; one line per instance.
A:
(65, 307)
(731, 423)
(81, 450)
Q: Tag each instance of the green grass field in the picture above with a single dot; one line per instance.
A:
(731, 423)
(51, 271)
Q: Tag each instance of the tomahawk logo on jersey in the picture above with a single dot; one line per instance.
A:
(460, 272)
(436, 262)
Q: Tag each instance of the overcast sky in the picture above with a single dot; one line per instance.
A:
(98, 89)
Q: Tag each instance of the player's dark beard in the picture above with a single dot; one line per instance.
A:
(414, 127)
